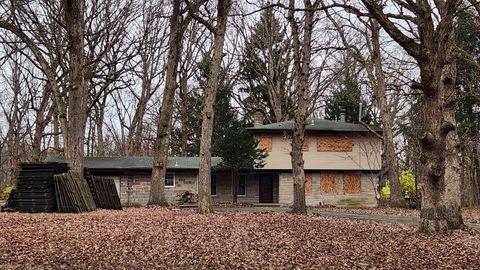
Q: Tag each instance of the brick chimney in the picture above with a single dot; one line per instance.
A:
(258, 118)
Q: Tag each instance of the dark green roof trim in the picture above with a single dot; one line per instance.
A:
(185, 163)
(314, 124)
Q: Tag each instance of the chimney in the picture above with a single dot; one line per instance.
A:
(343, 117)
(258, 118)
(360, 111)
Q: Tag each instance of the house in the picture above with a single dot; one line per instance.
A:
(342, 162)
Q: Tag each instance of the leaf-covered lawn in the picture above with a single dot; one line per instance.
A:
(149, 238)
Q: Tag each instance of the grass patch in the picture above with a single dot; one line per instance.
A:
(353, 202)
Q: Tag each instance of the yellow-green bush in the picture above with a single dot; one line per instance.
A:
(7, 190)
(407, 181)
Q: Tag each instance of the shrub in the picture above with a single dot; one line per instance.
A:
(6, 191)
(407, 181)
(186, 197)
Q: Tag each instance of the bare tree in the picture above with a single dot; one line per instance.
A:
(178, 25)
(301, 60)
(434, 50)
(372, 62)
(204, 192)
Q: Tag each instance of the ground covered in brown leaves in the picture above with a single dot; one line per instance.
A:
(469, 215)
(155, 238)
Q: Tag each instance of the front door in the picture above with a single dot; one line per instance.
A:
(266, 188)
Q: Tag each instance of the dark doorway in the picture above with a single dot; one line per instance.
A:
(266, 188)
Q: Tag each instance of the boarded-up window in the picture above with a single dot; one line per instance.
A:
(334, 143)
(308, 183)
(328, 183)
(305, 144)
(352, 183)
(266, 143)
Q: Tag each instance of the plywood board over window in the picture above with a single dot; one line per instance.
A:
(305, 144)
(308, 183)
(266, 143)
(352, 183)
(334, 143)
(328, 183)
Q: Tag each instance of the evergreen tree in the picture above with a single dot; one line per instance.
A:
(238, 150)
(467, 37)
(225, 116)
(264, 69)
(348, 97)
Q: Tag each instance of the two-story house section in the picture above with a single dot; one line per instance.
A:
(342, 162)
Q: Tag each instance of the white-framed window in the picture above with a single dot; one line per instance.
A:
(242, 187)
(169, 180)
(213, 185)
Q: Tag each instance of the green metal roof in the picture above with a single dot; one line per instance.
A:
(313, 124)
(191, 163)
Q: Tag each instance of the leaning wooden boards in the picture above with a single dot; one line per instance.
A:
(72, 193)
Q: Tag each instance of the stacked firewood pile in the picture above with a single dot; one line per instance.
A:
(35, 191)
(49, 187)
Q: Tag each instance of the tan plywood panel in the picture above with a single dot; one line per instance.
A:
(308, 183)
(352, 183)
(266, 143)
(305, 144)
(334, 143)
(328, 183)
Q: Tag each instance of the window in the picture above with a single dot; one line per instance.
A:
(213, 185)
(352, 183)
(266, 143)
(334, 143)
(242, 190)
(169, 180)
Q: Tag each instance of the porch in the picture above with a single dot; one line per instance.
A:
(252, 188)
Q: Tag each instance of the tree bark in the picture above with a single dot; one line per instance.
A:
(396, 194)
(441, 196)
(204, 177)
(157, 193)
(435, 55)
(184, 112)
(469, 187)
(77, 92)
(235, 177)
(301, 54)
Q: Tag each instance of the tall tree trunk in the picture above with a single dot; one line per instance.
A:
(41, 122)
(184, 113)
(396, 197)
(441, 197)
(302, 70)
(99, 119)
(435, 55)
(469, 188)
(235, 177)
(77, 92)
(157, 193)
(204, 181)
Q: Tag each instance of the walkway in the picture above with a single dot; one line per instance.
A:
(359, 216)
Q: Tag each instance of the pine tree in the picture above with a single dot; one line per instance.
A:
(264, 69)
(348, 97)
(467, 37)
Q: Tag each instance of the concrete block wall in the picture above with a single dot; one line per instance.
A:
(136, 190)
(366, 198)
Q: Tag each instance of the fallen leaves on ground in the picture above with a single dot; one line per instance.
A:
(469, 214)
(159, 238)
